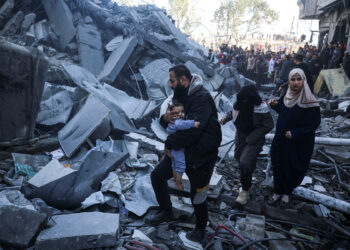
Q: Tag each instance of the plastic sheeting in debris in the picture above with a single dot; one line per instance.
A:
(142, 197)
(156, 75)
(112, 184)
(83, 124)
(87, 81)
(56, 104)
(69, 191)
(32, 163)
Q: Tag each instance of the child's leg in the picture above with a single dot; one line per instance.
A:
(179, 163)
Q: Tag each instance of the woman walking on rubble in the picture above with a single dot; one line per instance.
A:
(253, 121)
(292, 147)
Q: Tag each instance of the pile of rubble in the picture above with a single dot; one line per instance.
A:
(83, 84)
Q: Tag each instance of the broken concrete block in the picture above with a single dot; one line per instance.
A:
(82, 125)
(156, 75)
(13, 24)
(52, 171)
(80, 231)
(279, 244)
(69, 191)
(41, 29)
(27, 22)
(146, 142)
(19, 221)
(319, 188)
(111, 184)
(93, 199)
(114, 43)
(90, 48)
(5, 11)
(181, 209)
(137, 234)
(117, 60)
(23, 72)
(252, 226)
(61, 19)
(307, 180)
(88, 82)
(188, 243)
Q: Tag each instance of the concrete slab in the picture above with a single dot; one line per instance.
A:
(5, 11)
(279, 244)
(90, 48)
(61, 19)
(151, 144)
(117, 60)
(23, 72)
(52, 171)
(80, 231)
(13, 25)
(82, 125)
(19, 221)
(114, 43)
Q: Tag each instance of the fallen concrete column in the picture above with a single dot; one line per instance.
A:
(61, 18)
(5, 11)
(22, 73)
(117, 60)
(320, 140)
(328, 201)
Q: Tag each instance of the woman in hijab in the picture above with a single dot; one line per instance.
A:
(293, 144)
(253, 121)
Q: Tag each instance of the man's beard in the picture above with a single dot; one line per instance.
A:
(179, 91)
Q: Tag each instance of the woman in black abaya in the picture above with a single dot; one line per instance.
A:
(293, 144)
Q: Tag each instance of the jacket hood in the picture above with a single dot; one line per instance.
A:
(195, 84)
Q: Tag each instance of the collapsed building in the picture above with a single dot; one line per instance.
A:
(83, 84)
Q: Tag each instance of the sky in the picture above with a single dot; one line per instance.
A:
(287, 9)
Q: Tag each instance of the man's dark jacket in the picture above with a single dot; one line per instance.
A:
(200, 144)
(286, 68)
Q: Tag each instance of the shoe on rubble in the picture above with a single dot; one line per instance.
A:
(243, 197)
(196, 235)
(159, 217)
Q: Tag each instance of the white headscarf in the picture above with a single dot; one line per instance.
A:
(305, 98)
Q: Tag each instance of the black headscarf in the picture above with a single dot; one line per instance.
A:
(247, 98)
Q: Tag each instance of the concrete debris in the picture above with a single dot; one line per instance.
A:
(117, 60)
(89, 89)
(84, 123)
(52, 171)
(62, 20)
(90, 48)
(19, 221)
(80, 231)
(24, 70)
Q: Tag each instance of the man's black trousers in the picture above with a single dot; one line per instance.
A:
(199, 179)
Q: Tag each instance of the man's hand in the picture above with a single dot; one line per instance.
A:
(178, 180)
(171, 116)
(288, 135)
(196, 124)
(272, 102)
(223, 120)
(167, 152)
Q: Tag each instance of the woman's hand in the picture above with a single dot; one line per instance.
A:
(273, 102)
(288, 135)
(223, 121)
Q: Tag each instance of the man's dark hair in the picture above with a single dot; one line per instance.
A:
(298, 57)
(181, 70)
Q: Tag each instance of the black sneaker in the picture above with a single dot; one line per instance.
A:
(196, 235)
(159, 217)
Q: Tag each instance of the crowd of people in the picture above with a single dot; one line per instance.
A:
(274, 67)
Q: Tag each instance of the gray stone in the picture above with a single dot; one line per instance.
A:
(5, 11)
(19, 221)
(90, 48)
(41, 29)
(52, 171)
(279, 244)
(253, 226)
(27, 22)
(23, 72)
(13, 24)
(117, 60)
(181, 209)
(80, 231)
(61, 18)
(114, 43)
(82, 125)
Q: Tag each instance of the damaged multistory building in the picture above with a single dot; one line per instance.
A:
(82, 87)
(334, 16)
